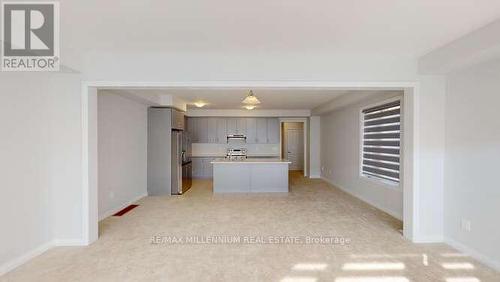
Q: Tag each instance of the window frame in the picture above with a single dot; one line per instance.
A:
(361, 139)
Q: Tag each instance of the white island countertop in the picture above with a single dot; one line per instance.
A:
(252, 161)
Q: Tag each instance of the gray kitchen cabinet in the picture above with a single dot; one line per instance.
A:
(221, 131)
(232, 126)
(202, 130)
(212, 130)
(191, 128)
(207, 167)
(197, 167)
(215, 130)
(202, 167)
(178, 119)
(241, 126)
(236, 126)
(273, 131)
(251, 130)
(261, 131)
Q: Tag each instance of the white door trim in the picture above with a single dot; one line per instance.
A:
(305, 122)
(89, 137)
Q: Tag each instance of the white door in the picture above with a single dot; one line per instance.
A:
(295, 148)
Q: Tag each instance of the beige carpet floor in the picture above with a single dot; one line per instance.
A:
(275, 233)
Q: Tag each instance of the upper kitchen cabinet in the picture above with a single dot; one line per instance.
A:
(251, 130)
(261, 130)
(191, 128)
(221, 130)
(212, 130)
(177, 119)
(236, 126)
(241, 126)
(273, 130)
(232, 126)
(207, 129)
(215, 130)
(202, 130)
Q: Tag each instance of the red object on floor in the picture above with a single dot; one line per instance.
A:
(125, 210)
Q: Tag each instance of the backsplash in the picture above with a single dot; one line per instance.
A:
(208, 149)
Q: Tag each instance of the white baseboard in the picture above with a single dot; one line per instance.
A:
(115, 210)
(314, 176)
(10, 265)
(392, 213)
(427, 240)
(69, 242)
(473, 253)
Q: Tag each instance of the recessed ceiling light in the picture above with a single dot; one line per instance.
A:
(200, 104)
(249, 107)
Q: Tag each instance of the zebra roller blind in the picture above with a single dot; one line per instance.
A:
(382, 142)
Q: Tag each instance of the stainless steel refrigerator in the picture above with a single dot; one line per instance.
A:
(181, 163)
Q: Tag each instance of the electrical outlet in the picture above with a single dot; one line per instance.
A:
(466, 225)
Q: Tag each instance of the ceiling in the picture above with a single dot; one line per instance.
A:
(230, 98)
(349, 27)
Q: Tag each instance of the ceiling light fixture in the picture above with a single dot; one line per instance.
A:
(200, 104)
(249, 107)
(251, 99)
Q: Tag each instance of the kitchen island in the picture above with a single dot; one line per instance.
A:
(254, 175)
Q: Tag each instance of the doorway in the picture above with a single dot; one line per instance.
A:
(293, 144)
(90, 152)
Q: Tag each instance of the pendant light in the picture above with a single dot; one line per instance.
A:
(249, 107)
(251, 99)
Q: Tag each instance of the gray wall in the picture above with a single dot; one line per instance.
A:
(472, 155)
(340, 158)
(122, 145)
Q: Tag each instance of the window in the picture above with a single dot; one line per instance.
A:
(381, 141)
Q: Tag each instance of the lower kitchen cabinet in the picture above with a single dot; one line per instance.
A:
(208, 171)
(197, 169)
(202, 167)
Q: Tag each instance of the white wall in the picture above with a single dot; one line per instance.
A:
(122, 146)
(472, 189)
(340, 158)
(315, 146)
(429, 128)
(479, 46)
(40, 162)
